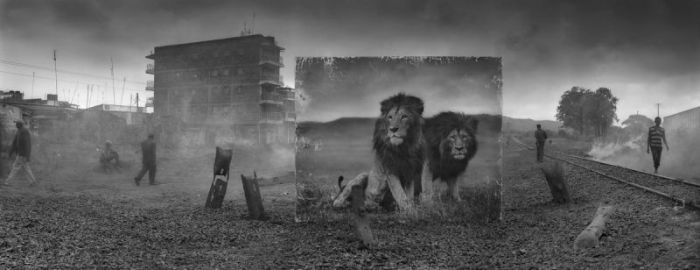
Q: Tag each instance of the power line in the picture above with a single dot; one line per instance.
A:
(19, 64)
(52, 78)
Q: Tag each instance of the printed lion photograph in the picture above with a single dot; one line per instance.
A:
(410, 132)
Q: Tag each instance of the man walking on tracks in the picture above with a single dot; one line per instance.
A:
(540, 138)
(148, 161)
(657, 134)
(22, 146)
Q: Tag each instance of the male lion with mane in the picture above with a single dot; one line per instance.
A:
(398, 154)
(450, 144)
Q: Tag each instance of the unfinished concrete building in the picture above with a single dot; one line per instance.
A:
(223, 91)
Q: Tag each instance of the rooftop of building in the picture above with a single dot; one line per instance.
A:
(239, 38)
(684, 112)
(117, 108)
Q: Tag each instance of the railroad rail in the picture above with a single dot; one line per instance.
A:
(675, 189)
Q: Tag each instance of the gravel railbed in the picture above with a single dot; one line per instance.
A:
(673, 188)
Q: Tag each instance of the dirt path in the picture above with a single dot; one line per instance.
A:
(109, 222)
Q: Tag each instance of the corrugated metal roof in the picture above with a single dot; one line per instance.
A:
(693, 110)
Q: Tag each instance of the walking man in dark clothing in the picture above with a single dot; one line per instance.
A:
(22, 146)
(657, 134)
(148, 161)
(540, 138)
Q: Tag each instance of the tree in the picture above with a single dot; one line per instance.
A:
(604, 113)
(570, 109)
(637, 124)
(584, 110)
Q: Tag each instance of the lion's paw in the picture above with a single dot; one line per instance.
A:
(339, 204)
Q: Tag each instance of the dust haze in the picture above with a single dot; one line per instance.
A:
(66, 151)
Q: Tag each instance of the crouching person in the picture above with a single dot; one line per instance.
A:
(107, 156)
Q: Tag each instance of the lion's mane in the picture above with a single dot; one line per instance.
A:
(405, 160)
(436, 130)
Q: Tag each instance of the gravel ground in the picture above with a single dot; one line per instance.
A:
(82, 231)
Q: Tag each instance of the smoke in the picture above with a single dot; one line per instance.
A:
(606, 151)
(679, 161)
(281, 161)
(626, 154)
(682, 158)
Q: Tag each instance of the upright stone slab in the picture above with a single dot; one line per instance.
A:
(219, 184)
(556, 180)
(253, 197)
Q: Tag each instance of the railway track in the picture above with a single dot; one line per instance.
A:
(678, 190)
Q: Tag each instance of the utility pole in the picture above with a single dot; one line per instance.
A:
(55, 70)
(74, 91)
(252, 30)
(658, 105)
(114, 93)
(121, 100)
(87, 96)
(33, 76)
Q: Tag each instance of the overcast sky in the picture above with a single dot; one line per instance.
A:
(645, 51)
(354, 86)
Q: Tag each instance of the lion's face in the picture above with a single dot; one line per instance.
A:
(398, 122)
(457, 144)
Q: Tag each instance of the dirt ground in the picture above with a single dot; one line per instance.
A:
(79, 218)
(349, 156)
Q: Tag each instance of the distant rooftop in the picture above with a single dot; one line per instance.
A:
(116, 108)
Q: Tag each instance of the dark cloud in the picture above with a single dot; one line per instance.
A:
(79, 15)
(545, 44)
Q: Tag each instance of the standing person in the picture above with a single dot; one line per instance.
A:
(540, 138)
(148, 161)
(22, 146)
(657, 134)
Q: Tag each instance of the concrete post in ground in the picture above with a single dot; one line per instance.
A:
(253, 198)
(554, 174)
(217, 191)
